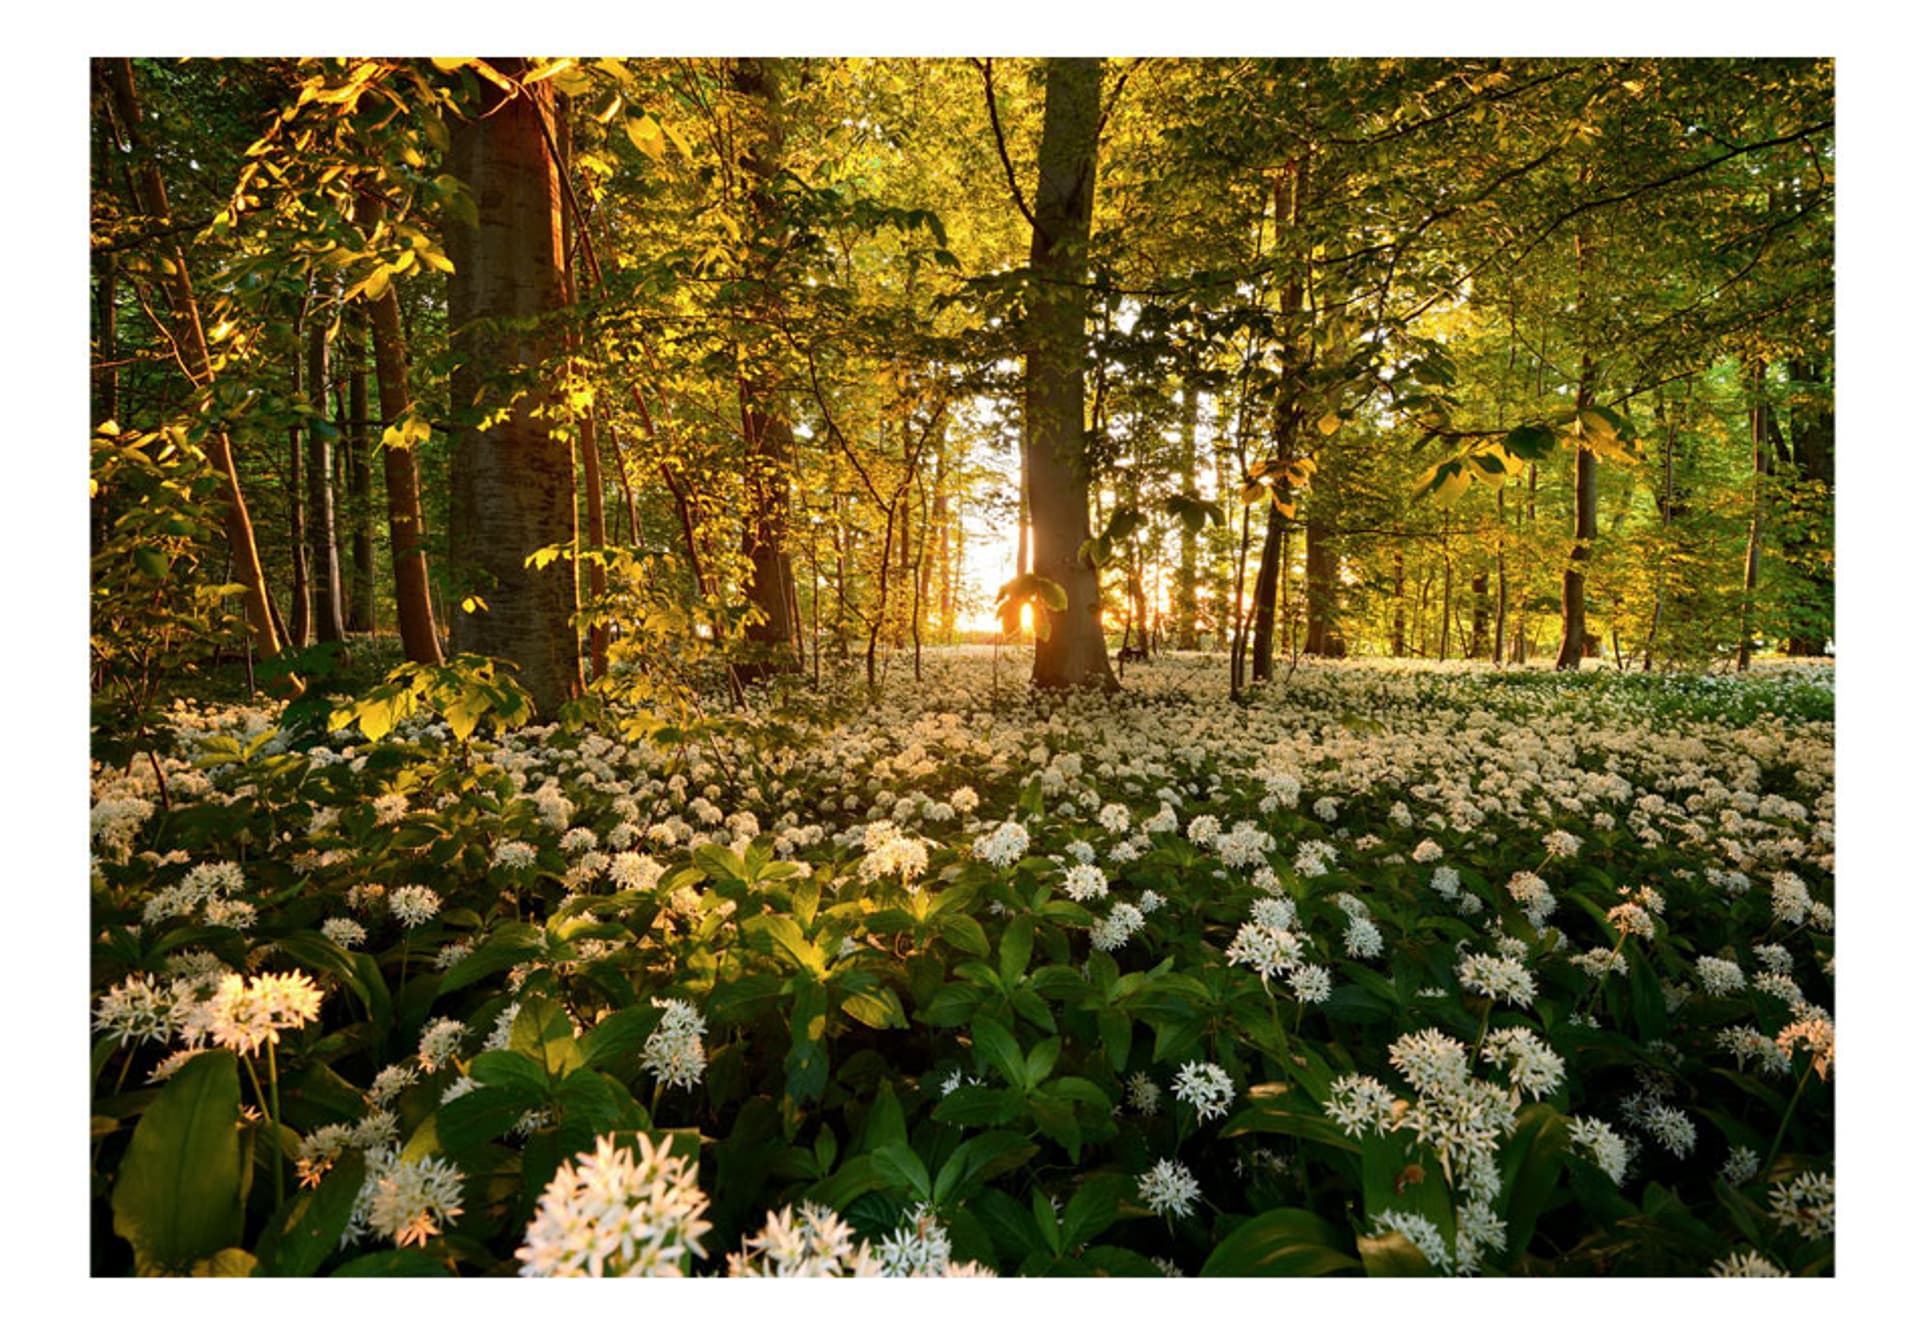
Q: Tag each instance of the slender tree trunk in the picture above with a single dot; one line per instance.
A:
(1758, 422)
(1586, 490)
(513, 489)
(1500, 575)
(406, 523)
(1399, 605)
(190, 338)
(1074, 652)
(299, 631)
(1186, 587)
(362, 608)
(1808, 547)
(1266, 593)
(328, 623)
(1323, 592)
(1477, 638)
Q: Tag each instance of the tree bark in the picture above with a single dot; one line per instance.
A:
(1586, 491)
(299, 630)
(1186, 587)
(151, 194)
(513, 482)
(764, 423)
(362, 605)
(1758, 422)
(1810, 419)
(1074, 651)
(329, 625)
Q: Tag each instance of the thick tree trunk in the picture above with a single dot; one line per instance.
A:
(1323, 593)
(329, 625)
(1074, 652)
(764, 425)
(513, 488)
(190, 339)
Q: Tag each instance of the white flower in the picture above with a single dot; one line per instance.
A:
(1360, 1105)
(440, 1043)
(1143, 1095)
(674, 1052)
(612, 1213)
(1497, 977)
(819, 1245)
(1747, 1264)
(1603, 1142)
(414, 905)
(408, 1202)
(1804, 1204)
(1085, 882)
(1533, 1067)
(1269, 952)
(1719, 977)
(1312, 984)
(1206, 1086)
(1168, 1188)
(344, 932)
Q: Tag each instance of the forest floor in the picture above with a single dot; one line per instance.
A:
(1396, 967)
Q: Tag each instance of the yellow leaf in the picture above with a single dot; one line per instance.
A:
(1330, 423)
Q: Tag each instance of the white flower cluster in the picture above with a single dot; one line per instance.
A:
(614, 1213)
(674, 1052)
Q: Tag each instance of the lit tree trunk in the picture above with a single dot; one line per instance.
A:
(1757, 425)
(1186, 588)
(1399, 605)
(299, 631)
(1074, 652)
(1500, 573)
(406, 524)
(513, 482)
(1586, 491)
(763, 419)
(190, 339)
(1477, 639)
(1323, 592)
(361, 606)
(328, 623)
(1266, 592)
(1288, 187)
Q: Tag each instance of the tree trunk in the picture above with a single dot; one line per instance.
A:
(513, 482)
(1758, 422)
(1074, 652)
(1810, 419)
(406, 524)
(1477, 637)
(329, 624)
(1186, 588)
(1266, 593)
(1399, 605)
(1586, 491)
(151, 194)
(1323, 593)
(764, 424)
(362, 613)
(299, 630)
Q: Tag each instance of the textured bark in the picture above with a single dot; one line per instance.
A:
(1074, 653)
(329, 625)
(1186, 584)
(1810, 419)
(1586, 492)
(773, 640)
(1477, 640)
(1758, 421)
(513, 482)
(1323, 593)
(299, 629)
(1266, 593)
(358, 467)
(151, 194)
(406, 524)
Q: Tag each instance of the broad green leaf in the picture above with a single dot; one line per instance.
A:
(1281, 1243)
(177, 1200)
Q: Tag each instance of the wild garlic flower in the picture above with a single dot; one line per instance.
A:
(1747, 1264)
(245, 1014)
(1500, 978)
(1003, 846)
(440, 1043)
(1117, 927)
(1603, 1144)
(1719, 977)
(819, 1244)
(1085, 882)
(1804, 1204)
(414, 905)
(674, 1052)
(1266, 950)
(1168, 1188)
(344, 932)
(1311, 983)
(1532, 1066)
(412, 1201)
(612, 1213)
(1143, 1095)
(1422, 1233)
(1206, 1087)
(1361, 1105)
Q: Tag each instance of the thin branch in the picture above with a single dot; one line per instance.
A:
(1000, 142)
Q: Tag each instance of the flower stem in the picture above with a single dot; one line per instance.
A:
(1785, 1120)
(273, 1093)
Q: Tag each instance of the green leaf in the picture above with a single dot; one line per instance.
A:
(964, 933)
(876, 1009)
(996, 1046)
(788, 941)
(177, 1199)
(1016, 948)
(543, 1033)
(1281, 1243)
(1533, 443)
(315, 1219)
(900, 1167)
(408, 1263)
